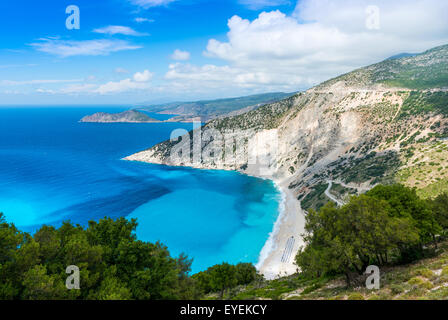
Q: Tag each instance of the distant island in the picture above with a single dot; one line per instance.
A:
(203, 111)
(130, 116)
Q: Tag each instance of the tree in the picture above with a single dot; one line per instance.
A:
(439, 207)
(203, 281)
(222, 277)
(347, 239)
(112, 288)
(245, 273)
(113, 265)
(38, 285)
(405, 203)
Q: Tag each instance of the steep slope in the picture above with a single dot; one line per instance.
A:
(426, 279)
(380, 124)
(332, 130)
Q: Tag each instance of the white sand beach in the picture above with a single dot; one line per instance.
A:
(278, 255)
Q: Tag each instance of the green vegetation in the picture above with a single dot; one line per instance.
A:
(113, 265)
(126, 116)
(396, 284)
(389, 224)
(264, 118)
(424, 102)
(424, 71)
(316, 199)
(380, 168)
(221, 278)
(434, 189)
(339, 191)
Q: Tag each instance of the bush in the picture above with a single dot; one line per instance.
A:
(445, 271)
(425, 272)
(397, 289)
(439, 294)
(356, 296)
(420, 283)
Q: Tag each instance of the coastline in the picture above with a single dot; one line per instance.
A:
(290, 223)
(278, 255)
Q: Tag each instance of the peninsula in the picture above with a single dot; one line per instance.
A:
(130, 116)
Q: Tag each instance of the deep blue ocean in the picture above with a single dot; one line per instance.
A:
(54, 169)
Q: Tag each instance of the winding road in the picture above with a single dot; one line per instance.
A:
(329, 195)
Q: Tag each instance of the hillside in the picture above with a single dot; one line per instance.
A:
(381, 124)
(210, 109)
(426, 279)
(127, 116)
(428, 70)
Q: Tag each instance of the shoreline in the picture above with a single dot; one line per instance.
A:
(289, 223)
(285, 240)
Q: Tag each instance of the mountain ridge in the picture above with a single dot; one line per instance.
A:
(211, 109)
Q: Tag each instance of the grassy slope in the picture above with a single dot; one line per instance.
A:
(423, 280)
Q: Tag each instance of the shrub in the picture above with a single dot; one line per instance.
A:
(420, 283)
(425, 272)
(445, 271)
(439, 294)
(356, 296)
(397, 289)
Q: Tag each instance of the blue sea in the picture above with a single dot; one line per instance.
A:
(54, 169)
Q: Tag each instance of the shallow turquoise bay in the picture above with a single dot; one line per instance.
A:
(53, 169)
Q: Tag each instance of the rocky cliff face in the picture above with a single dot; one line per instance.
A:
(380, 124)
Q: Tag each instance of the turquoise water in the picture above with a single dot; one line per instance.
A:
(53, 169)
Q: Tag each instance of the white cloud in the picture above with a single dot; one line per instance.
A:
(139, 81)
(206, 73)
(121, 70)
(6, 66)
(322, 39)
(112, 30)
(279, 52)
(233, 80)
(121, 86)
(78, 88)
(180, 55)
(32, 82)
(144, 76)
(259, 4)
(141, 20)
(151, 3)
(68, 48)
(46, 91)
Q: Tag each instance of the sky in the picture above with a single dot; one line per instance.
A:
(132, 52)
